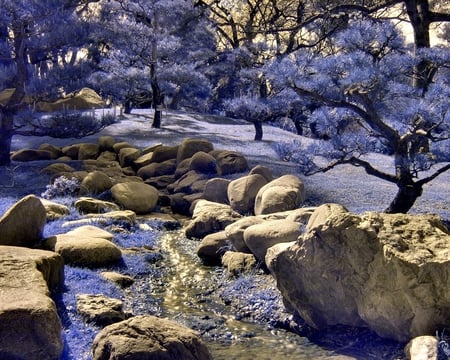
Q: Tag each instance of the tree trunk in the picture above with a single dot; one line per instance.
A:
(405, 198)
(258, 130)
(6, 134)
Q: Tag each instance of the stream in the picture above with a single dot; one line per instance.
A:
(189, 297)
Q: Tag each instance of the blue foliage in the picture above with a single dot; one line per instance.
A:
(62, 186)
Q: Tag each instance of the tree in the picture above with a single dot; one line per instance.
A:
(367, 84)
(157, 48)
(39, 46)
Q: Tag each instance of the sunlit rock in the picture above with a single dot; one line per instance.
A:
(284, 193)
(189, 147)
(88, 151)
(87, 205)
(30, 328)
(99, 309)
(23, 223)
(242, 192)
(422, 348)
(149, 337)
(238, 263)
(95, 182)
(209, 217)
(230, 162)
(259, 237)
(235, 232)
(123, 281)
(138, 197)
(54, 210)
(212, 247)
(388, 272)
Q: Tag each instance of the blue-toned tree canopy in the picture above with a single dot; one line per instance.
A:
(341, 71)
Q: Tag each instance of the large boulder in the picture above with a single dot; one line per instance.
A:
(23, 223)
(54, 210)
(388, 272)
(88, 151)
(157, 169)
(189, 147)
(89, 205)
(148, 337)
(95, 182)
(259, 237)
(24, 155)
(238, 263)
(209, 217)
(30, 328)
(216, 190)
(87, 246)
(235, 232)
(212, 247)
(230, 162)
(242, 192)
(284, 193)
(138, 197)
(203, 162)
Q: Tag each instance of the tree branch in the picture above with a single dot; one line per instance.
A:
(359, 163)
(434, 176)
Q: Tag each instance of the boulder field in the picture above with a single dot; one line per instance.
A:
(389, 273)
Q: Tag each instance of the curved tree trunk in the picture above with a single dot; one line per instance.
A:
(405, 198)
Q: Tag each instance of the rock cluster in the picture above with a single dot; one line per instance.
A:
(386, 272)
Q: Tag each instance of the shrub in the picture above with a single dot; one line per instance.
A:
(62, 186)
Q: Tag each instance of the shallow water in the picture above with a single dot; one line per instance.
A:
(184, 299)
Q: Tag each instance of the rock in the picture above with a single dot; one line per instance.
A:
(107, 156)
(322, 213)
(148, 337)
(422, 348)
(238, 263)
(212, 247)
(160, 182)
(263, 171)
(123, 281)
(182, 168)
(259, 237)
(203, 163)
(138, 197)
(88, 151)
(157, 169)
(216, 190)
(189, 183)
(189, 147)
(208, 218)
(95, 182)
(71, 151)
(91, 231)
(388, 272)
(54, 210)
(163, 153)
(99, 309)
(23, 223)
(180, 204)
(106, 143)
(55, 150)
(84, 250)
(30, 328)
(121, 145)
(24, 155)
(128, 155)
(231, 162)
(89, 205)
(242, 192)
(284, 193)
(56, 169)
(235, 232)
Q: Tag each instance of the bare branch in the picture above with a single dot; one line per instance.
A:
(434, 176)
